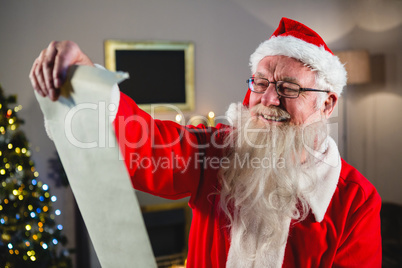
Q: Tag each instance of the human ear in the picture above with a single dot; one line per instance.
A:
(329, 104)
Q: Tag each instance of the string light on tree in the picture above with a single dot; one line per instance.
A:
(29, 235)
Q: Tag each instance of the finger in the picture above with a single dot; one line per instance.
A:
(54, 94)
(34, 82)
(41, 82)
(38, 73)
(32, 77)
(61, 65)
(59, 70)
(47, 65)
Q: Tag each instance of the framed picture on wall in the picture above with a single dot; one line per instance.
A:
(161, 73)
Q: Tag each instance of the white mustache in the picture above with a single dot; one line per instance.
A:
(260, 109)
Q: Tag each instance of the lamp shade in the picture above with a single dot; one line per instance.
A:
(357, 64)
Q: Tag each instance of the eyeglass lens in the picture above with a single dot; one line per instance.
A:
(286, 89)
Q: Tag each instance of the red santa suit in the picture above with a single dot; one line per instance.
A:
(173, 161)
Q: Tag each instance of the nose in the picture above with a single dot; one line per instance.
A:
(270, 97)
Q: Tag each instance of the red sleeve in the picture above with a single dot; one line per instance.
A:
(162, 157)
(360, 245)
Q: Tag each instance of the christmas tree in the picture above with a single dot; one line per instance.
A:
(30, 236)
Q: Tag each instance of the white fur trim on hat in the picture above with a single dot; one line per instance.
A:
(328, 66)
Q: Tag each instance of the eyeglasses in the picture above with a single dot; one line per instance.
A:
(284, 89)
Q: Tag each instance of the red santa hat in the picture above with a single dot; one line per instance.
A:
(296, 40)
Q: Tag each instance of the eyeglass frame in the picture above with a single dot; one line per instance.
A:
(248, 81)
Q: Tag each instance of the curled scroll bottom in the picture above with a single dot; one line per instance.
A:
(79, 124)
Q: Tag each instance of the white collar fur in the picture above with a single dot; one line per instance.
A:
(328, 171)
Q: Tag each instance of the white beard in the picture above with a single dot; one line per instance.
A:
(263, 187)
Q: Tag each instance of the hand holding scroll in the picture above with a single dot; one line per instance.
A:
(49, 70)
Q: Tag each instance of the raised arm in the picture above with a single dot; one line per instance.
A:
(49, 70)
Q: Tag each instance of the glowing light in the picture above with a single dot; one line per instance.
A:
(17, 150)
(45, 209)
(7, 165)
(23, 150)
(4, 184)
(11, 251)
(40, 224)
(21, 197)
(13, 127)
(57, 212)
(34, 182)
(6, 237)
(28, 227)
(38, 210)
(36, 174)
(47, 195)
(2, 221)
(179, 117)
(44, 246)
(10, 146)
(9, 112)
(53, 198)
(33, 215)
(41, 198)
(27, 244)
(2, 172)
(45, 187)
(6, 201)
(17, 216)
(18, 108)
(60, 227)
(55, 241)
(33, 258)
(35, 237)
(17, 252)
(19, 168)
(11, 121)
(1, 207)
(211, 118)
(15, 192)
(30, 207)
(10, 246)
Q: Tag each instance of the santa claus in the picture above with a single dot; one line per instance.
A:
(281, 195)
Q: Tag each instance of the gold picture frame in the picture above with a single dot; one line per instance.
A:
(161, 73)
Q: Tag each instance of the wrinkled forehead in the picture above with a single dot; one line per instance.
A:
(284, 68)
